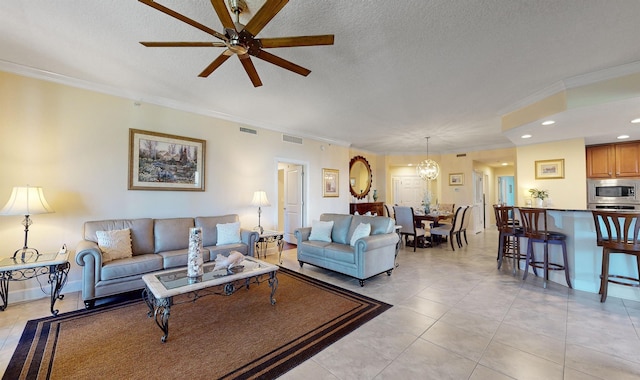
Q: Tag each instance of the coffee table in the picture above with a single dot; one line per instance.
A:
(161, 287)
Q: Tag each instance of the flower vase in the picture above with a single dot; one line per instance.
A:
(375, 195)
(194, 258)
(539, 202)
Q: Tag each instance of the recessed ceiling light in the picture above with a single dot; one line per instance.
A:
(410, 164)
(636, 121)
(504, 164)
(525, 136)
(621, 137)
(548, 122)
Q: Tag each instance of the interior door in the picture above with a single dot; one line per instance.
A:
(293, 201)
(408, 191)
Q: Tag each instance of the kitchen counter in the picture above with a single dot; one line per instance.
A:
(585, 257)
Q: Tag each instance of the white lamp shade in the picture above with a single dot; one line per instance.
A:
(27, 200)
(260, 199)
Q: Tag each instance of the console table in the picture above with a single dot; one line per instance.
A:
(54, 265)
(364, 207)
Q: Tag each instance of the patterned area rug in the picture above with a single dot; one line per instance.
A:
(237, 336)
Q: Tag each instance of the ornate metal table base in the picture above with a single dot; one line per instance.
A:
(160, 308)
(57, 274)
(270, 237)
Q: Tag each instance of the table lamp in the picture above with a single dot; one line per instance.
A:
(26, 201)
(260, 200)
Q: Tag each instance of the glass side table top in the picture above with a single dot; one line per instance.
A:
(33, 261)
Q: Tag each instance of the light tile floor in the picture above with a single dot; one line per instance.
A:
(455, 316)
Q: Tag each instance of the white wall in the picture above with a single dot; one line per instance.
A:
(74, 143)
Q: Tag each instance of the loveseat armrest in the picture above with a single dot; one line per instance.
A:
(372, 242)
(302, 234)
(250, 238)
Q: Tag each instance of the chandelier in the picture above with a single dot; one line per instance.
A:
(428, 169)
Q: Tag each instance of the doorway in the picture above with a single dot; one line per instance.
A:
(291, 195)
(506, 195)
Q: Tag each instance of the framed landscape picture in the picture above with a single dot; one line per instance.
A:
(330, 181)
(159, 161)
(456, 179)
(550, 169)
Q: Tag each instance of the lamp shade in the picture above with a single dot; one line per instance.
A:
(27, 200)
(260, 199)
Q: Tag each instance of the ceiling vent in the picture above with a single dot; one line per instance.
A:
(291, 139)
(248, 130)
(461, 155)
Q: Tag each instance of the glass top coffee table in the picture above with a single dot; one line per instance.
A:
(161, 287)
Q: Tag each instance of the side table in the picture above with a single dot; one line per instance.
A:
(267, 237)
(54, 265)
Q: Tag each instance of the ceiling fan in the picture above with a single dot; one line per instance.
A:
(240, 39)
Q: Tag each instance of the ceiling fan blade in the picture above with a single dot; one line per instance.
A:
(183, 44)
(214, 65)
(282, 63)
(264, 15)
(183, 18)
(250, 69)
(326, 39)
(223, 13)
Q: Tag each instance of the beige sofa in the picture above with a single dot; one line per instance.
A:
(157, 244)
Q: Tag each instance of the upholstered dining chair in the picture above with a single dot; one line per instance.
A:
(450, 230)
(404, 218)
(446, 207)
(386, 208)
(617, 232)
(468, 212)
(534, 224)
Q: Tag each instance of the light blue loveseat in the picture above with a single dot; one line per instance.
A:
(370, 256)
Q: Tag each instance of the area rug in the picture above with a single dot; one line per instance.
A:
(239, 336)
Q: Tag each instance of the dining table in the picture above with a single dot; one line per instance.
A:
(434, 217)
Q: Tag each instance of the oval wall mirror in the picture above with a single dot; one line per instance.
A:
(360, 177)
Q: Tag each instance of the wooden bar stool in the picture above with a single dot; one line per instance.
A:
(620, 235)
(510, 234)
(534, 224)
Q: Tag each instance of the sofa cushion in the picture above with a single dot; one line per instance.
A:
(340, 252)
(215, 250)
(321, 231)
(172, 233)
(178, 258)
(379, 224)
(114, 244)
(133, 266)
(209, 229)
(363, 229)
(314, 248)
(341, 223)
(228, 233)
(141, 232)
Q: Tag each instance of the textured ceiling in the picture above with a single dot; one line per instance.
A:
(399, 70)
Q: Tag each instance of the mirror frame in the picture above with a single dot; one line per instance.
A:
(363, 160)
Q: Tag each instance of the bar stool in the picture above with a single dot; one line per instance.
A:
(531, 219)
(510, 234)
(621, 234)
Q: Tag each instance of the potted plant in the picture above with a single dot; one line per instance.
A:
(539, 195)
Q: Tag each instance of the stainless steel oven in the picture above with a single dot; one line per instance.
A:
(614, 194)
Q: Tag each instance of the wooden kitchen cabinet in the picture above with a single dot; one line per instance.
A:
(613, 160)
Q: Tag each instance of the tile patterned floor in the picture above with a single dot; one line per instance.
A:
(455, 316)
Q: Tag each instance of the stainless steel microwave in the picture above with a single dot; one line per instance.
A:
(613, 191)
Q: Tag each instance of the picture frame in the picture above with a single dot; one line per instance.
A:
(330, 182)
(456, 179)
(160, 161)
(550, 169)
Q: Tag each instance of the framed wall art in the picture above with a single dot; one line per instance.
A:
(330, 182)
(159, 161)
(550, 169)
(456, 179)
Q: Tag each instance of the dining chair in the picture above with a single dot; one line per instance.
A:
(509, 236)
(617, 232)
(450, 230)
(534, 224)
(404, 218)
(447, 207)
(468, 212)
(386, 208)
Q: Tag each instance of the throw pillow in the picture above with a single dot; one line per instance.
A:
(363, 229)
(228, 233)
(321, 231)
(114, 244)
